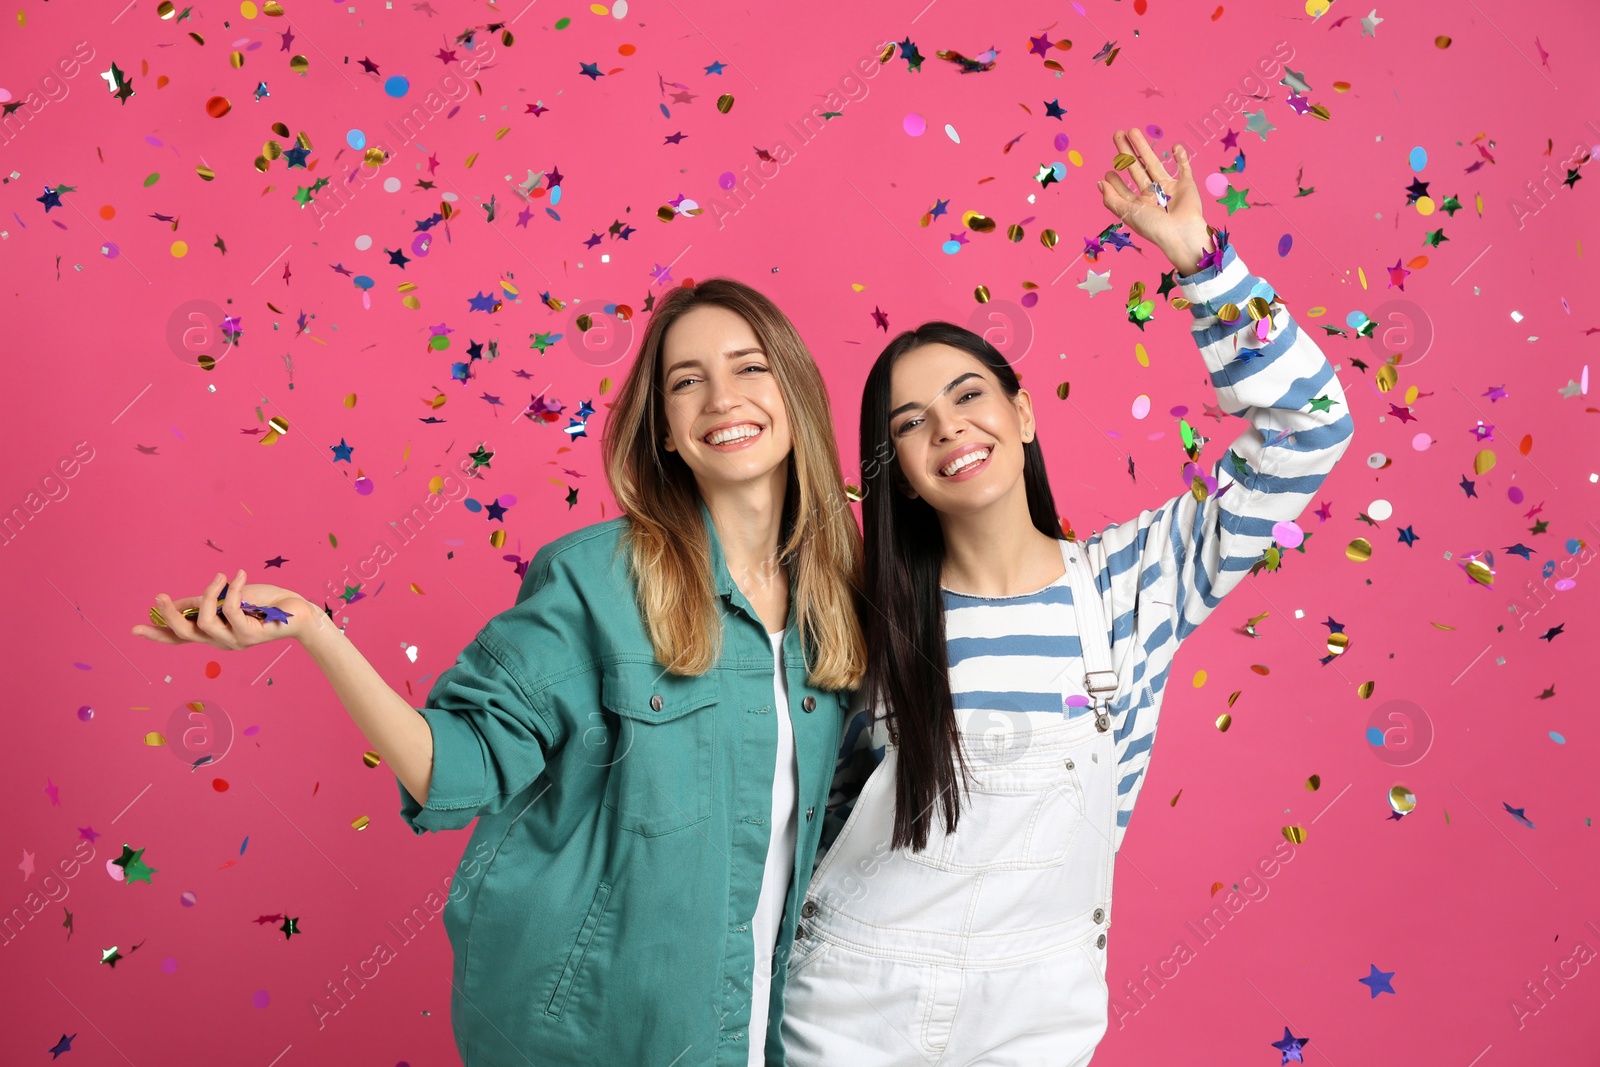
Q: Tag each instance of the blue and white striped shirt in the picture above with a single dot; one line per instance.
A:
(1160, 575)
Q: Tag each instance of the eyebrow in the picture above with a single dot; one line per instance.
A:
(694, 361)
(903, 408)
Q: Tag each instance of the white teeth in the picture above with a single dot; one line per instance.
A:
(735, 433)
(965, 461)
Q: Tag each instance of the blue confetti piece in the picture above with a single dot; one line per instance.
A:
(1375, 736)
(244, 844)
(1557, 738)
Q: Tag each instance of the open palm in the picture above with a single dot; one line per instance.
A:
(1181, 221)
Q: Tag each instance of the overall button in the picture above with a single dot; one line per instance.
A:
(1070, 766)
(1102, 723)
(800, 932)
(655, 702)
(1099, 915)
(809, 703)
(1100, 942)
(809, 909)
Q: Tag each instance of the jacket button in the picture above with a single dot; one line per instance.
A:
(809, 909)
(1100, 942)
(810, 812)
(809, 703)
(1099, 914)
(655, 702)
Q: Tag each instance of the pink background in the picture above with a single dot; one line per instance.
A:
(1465, 904)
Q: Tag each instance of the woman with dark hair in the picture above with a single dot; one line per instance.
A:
(959, 910)
(647, 737)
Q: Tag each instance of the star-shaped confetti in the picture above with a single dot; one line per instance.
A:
(590, 70)
(1258, 123)
(1519, 814)
(1551, 634)
(118, 83)
(1291, 1047)
(909, 53)
(1407, 537)
(1234, 200)
(1468, 487)
(132, 863)
(1095, 283)
(716, 67)
(1378, 981)
(1369, 25)
(290, 927)
(1054, 110)
(64, 1045)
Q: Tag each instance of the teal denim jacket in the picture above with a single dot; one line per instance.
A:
(622, 821)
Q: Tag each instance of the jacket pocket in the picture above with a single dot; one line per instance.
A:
(580, 949)
(660, 770)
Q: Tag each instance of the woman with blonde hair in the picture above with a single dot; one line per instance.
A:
(647, 737)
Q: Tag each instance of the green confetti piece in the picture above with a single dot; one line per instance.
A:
(155, 176)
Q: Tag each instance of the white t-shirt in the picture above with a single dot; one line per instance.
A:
(780, 860)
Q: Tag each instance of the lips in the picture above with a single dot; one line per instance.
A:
(966, 457)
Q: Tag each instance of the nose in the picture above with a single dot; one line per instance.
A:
(947, 424)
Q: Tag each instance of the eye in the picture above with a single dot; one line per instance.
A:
(753, 366)
(682, 382)
(907, 426)
(970, 392)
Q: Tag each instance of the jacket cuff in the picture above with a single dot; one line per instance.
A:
(458, 780)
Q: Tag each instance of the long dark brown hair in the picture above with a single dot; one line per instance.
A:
(907, 665)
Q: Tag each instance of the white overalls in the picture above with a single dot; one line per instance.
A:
(988, 947)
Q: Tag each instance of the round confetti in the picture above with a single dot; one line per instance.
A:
(169, 965)
(1374, 736)
(218, 106)
(1216, 184)
(1199, 678)
(213, 669)
(1557, 738)
(1285, 243)
(950, 248)
(117, 873)
(187, 900)
(1402, 799)
(1514, 494)
(1141, 406)
(1077, 700)
(180, 249)
(261, 998)
(1380, 510)
(726, 179)
(363, 242)
(219, 784)
(619, 10)
(356, 139)
(914, 124)
(1421, 442)
(396, 85)
(1377, 461)
(108, 213)
(1153, 132)
(391, 184)
(1288, 534)
(1061, 142)
(364, 486)
(85, 713)
(110, 250)
(1418, 158)
(1359, 550)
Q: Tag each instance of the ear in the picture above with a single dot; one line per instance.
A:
(668, 443)
(1024, 404)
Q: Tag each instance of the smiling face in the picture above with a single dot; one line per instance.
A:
(725, 412)
(957, 435)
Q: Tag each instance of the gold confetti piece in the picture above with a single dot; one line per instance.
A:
(1411, 396)
(273, 9)
(1174, 801)
(1441, 41)
(852, 492)
(1479, 572)
(411, 302)
(350, 401)
(371, 759)
(1228, 312)
(1296, 835)
(1233, 696)
(1341, 87)
(155, 738)
(471, 160)
(1359, 550)
(584, 321)
(501, 132)
(280, 129)
(235, 60)
(1199, 678)
(1141, 355)
(1337, 643)
(981, 294)
(978, 222)
(1366, 688)
(1258, 307)
(1216, 887)
(1363, 276)
(1014, 232)
(1437, 626)
(1180, 303)
(1224, 721)
(374, 157)
(1063, 389)
(299, 64)
(605, 386)
(1483, 462)
(1388, 378)
(417, 589)
(1402, 799)
(1321, 112)
(166, 9)
(359, 822)
(1049, 238)
(1314, 783)
(1123, 161)
(406, 287)
(725, 103)
(497, 539)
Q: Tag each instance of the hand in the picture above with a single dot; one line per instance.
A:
(1179, 229)
(235, 630)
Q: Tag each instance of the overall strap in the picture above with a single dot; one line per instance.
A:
(1100, 681)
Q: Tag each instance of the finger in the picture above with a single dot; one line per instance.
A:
(1154, 168)
(232, 608)
(207, 622)
(157, 634)
(181, 628)
(1114, 194)
(1136, 172)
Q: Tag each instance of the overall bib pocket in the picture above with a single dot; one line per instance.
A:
(660, 768)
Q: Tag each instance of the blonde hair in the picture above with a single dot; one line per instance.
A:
(667, 539)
